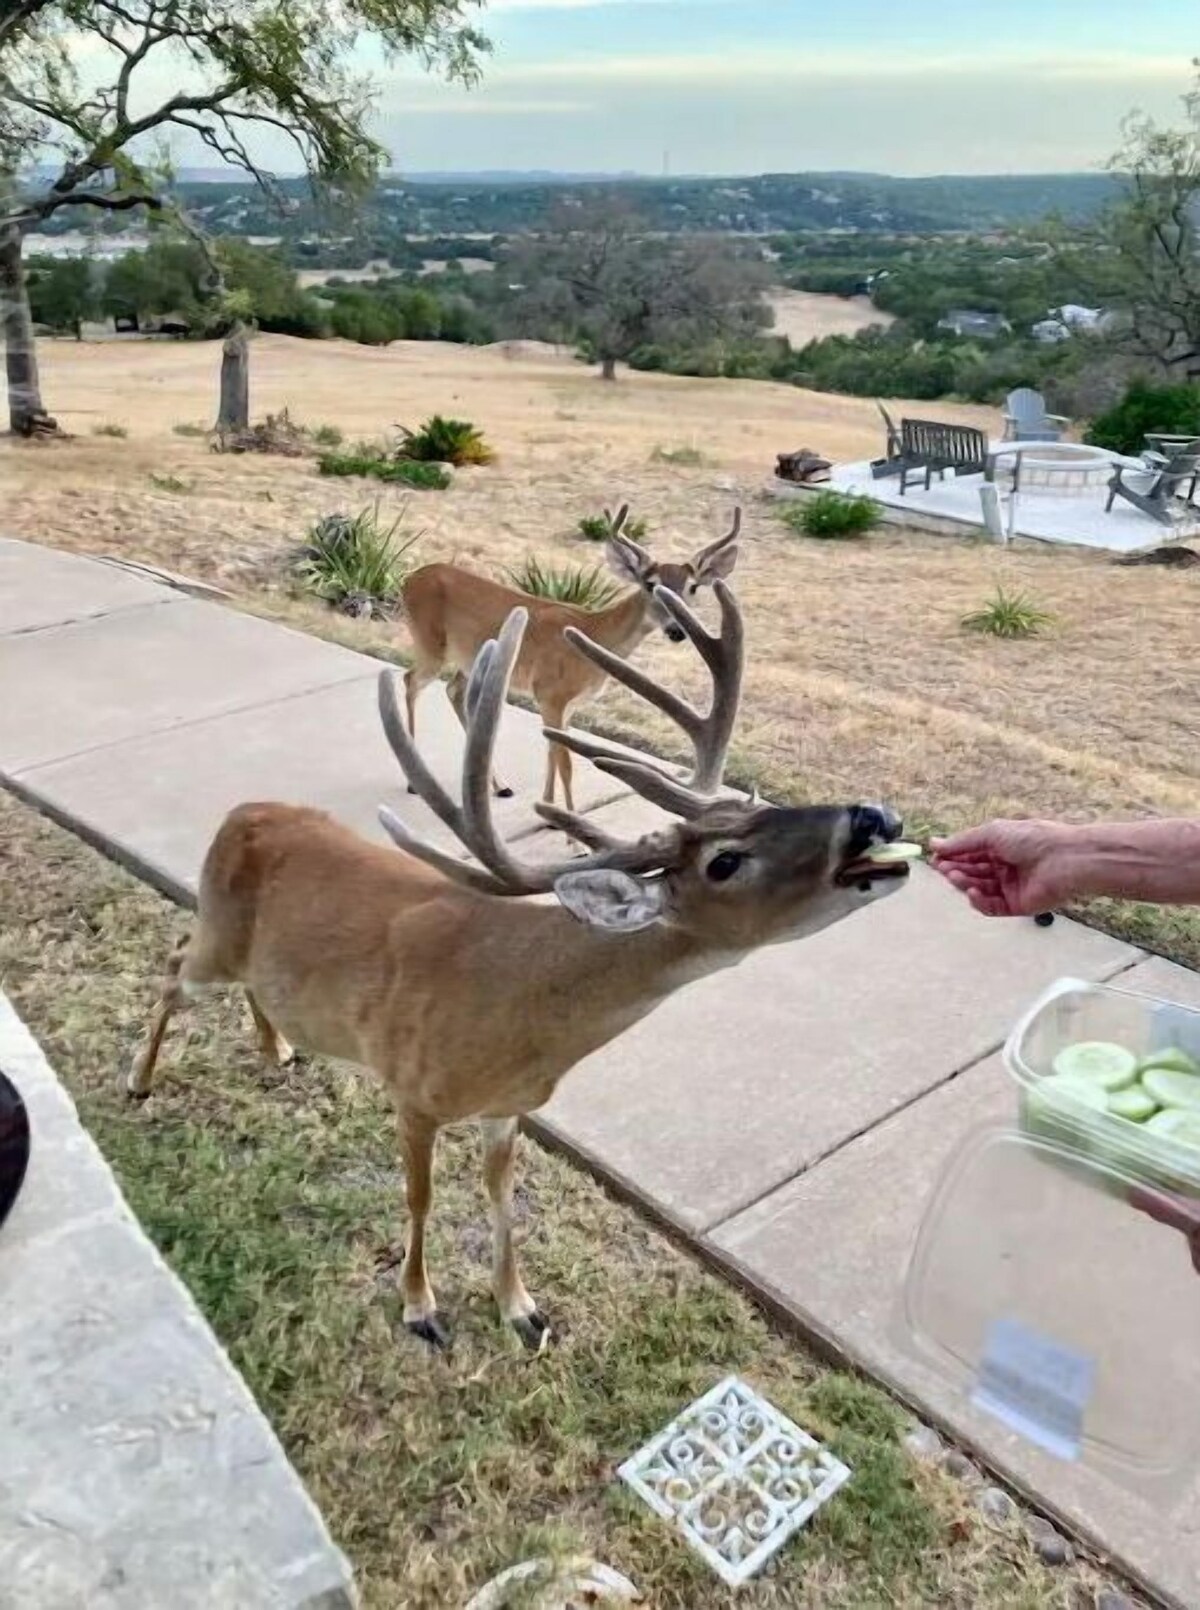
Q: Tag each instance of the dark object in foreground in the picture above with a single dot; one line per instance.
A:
(14, 1144)
(804, 468)
(1045, 919)
(1172, 558)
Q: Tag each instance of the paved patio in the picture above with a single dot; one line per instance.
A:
(791, 1133)
(1070, 514)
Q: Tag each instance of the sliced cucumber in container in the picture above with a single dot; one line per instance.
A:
(1173, 1057)
(1132, 1103)
(1172, 1089)
(1107, 1065)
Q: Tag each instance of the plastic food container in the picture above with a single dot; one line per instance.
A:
(1052, 1285)
(1071, 1011)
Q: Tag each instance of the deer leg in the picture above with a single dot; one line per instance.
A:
(517, 1307)
(418, 677)
(191, 963)
(456, 692)
(417, 1136)
(276, 1050)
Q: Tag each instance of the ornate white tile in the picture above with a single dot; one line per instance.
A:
(737, 1477)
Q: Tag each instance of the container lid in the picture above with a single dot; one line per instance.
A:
(1062, 1298)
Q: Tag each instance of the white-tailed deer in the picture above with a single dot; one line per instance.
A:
(470, 1004)
(452, 613)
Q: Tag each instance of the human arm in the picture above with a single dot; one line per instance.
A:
(1014, 869)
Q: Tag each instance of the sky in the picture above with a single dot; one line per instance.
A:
(751, 86)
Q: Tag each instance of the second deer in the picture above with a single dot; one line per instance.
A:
(452, 613)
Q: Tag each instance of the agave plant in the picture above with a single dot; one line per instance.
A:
(567, 584)
(355, 563)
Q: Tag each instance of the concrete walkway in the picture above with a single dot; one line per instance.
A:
(789, 1129)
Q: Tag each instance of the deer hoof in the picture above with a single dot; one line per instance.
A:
(534, 1331)
(504, 793)
(431, 1331)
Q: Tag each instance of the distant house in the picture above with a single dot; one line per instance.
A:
(975, 326)
(1050, 332)
(1062, 323)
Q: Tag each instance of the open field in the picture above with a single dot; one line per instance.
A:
(861, 682)
(806, 316)
(277, 1197)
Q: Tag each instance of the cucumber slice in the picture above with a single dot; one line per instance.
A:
(1177, 1124)
(888, 854)
(1069, 1090)
(1099, 1061)
(1173, 1057)
(1172, 1089)
(1133, 1103)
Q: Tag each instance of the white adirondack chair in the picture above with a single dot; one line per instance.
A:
(1026, 419)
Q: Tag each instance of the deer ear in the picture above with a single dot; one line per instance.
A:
(720, 567)
(624, 561)
(611, 900)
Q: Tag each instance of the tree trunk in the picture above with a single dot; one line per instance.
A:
(608, 368)
(234, 412)
(26, 416)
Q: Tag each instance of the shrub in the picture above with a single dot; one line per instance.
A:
(169, 483)
(328, 436)
(835, 516)
(1173, 410)
(570, 584)
(1008, 615)
(691, 456)
(110, 430)
(445, 441)
(599, 527)
(355, 563)
(421, 477)
(187, 428)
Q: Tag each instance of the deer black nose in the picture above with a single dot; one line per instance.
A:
(873, 824)
(675, 633)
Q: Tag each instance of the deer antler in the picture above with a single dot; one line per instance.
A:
(499, 872)
(724, 654)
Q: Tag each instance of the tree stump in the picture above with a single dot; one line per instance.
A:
(234, 411)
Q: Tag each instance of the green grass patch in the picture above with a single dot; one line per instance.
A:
(399, 472)
(111, 429)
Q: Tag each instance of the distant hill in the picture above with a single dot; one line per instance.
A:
(766, 204)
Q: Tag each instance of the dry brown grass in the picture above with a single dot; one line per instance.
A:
(862, 681)
(277, 1198)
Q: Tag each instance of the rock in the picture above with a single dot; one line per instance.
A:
(1110, 1599)
(957, 1464)
(724, 483)
(1049, 1545)
(924, 1444)
(996, 1507)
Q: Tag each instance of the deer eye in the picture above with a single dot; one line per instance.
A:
(722, 867)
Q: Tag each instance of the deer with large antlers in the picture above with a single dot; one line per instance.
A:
(470, 1003)
(452, 613)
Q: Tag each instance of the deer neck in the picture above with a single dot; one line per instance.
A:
(623, 625)
(593, 986)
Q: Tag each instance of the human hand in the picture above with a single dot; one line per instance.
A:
(1009, 869)
(1178, 1212)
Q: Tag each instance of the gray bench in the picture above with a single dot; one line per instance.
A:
(926, 444)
